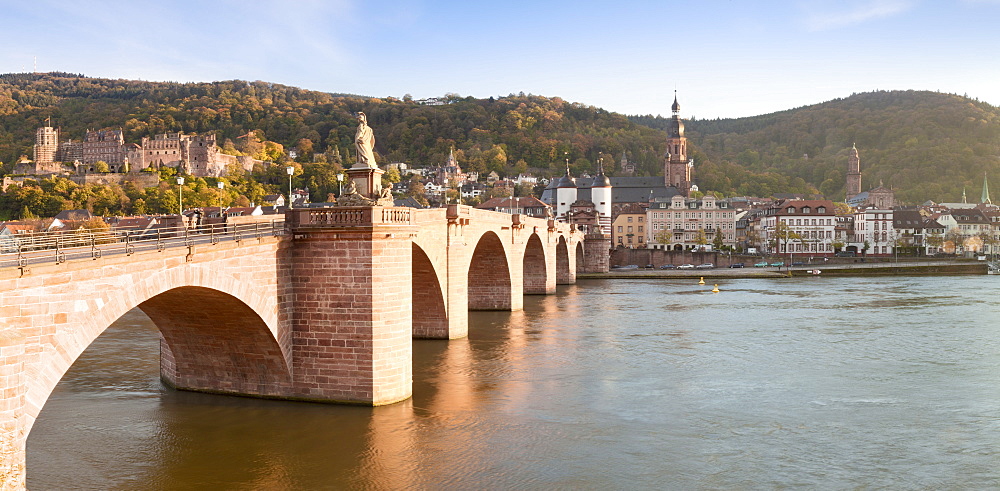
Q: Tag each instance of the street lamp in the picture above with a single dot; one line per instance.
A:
(291, 170)
(180, 195)
(340, 183)
(221, 185)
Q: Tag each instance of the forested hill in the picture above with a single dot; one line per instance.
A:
(925, 145)
(507, 135)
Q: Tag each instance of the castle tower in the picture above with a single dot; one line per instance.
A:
(628, 168)
(46, 144)
(853, 173)
(565, 194)
(600, 194)
(677, 168)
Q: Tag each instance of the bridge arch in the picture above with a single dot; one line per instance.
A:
(430, 318)
(535, 269)
(489, 275)
(218, 334)
(580, 258)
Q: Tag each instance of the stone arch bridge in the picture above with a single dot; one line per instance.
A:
(325, 311)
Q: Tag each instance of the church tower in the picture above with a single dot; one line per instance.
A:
(676, 167)
(853, 174)
(986, 192)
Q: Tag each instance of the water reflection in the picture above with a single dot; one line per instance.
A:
(643, 384)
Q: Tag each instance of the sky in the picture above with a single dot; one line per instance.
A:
(725, 59)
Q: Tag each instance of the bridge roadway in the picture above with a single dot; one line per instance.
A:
(323, 311)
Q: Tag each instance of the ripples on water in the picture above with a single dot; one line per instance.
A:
(813, 382)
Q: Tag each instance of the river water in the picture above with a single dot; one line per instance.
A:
(611, 384)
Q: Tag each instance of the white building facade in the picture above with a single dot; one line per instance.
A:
(683, 223)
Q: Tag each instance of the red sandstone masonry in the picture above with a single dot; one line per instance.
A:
(327, 316)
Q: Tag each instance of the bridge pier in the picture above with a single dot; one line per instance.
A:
(596, 252)
(350, 305)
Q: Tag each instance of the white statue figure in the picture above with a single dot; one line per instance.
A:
(364, 140)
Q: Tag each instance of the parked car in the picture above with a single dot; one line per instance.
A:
(778, 264)
(686, 266)
(798, 263)
(650, 266)
(762, 264)
(626, 268)
(668, 266)
(705, 266)
(736, 265)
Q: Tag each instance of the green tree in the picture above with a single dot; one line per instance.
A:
(663, 237)
(783, 235)
(700, 238)
(101, 166)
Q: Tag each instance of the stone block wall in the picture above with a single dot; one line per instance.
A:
(597, 254)
(351, 319)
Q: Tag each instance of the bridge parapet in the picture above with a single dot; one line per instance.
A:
(349, 216)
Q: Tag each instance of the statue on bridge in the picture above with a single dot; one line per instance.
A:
(364, 141)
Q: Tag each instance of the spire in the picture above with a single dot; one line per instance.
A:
(964, 199)
(986, 192)
(675, 107)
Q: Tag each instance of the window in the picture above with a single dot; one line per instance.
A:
(629, 219)
(619, 229)
(821, 210)
(640, 229)
(806, 209)
(791, 210)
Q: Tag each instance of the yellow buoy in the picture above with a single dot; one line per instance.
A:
(701, 281)
(716, 289)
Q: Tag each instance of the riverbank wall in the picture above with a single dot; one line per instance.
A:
(929, 268)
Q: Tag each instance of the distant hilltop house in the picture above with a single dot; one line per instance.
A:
(197, 155)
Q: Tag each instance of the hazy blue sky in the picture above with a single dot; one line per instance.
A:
(725, 58)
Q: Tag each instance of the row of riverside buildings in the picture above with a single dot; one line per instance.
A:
(642, 212)
(197, 155)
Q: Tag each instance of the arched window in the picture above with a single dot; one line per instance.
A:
(791, 210)
(806, 209)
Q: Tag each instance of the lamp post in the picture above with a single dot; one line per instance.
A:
(340, 184)
(180, 195)
(221, 185)
(291, 170)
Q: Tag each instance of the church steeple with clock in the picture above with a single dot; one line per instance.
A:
(677, 168)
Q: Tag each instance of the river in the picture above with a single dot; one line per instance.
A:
(826, 383)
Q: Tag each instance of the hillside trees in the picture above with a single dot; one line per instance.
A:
(261, 119)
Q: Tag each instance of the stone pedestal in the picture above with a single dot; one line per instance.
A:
(367, 179)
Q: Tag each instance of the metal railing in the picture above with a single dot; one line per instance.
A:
(23, 250)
